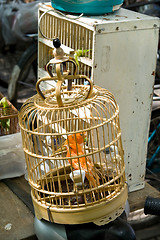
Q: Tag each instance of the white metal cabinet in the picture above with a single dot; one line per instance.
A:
(123, 60)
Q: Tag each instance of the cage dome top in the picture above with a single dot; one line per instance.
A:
(77, 96)
(100, 107)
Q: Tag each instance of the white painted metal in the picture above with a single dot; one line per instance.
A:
(124, 62)
(124, 50)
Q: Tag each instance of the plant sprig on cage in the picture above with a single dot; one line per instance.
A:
(6, 122)
(80, 53)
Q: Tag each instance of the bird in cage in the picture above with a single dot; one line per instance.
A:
(74, 144)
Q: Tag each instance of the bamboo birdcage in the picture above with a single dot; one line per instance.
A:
(73, 149)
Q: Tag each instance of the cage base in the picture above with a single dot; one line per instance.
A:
(100, 214)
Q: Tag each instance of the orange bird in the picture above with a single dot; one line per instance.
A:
(84, 163)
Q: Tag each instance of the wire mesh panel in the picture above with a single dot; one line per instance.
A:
(74, 154)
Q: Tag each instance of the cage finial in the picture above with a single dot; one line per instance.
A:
(58, 51)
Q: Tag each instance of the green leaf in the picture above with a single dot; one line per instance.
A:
(76, 59)
(8, 123)
(4, 102)
(80, 53)
(5, 123)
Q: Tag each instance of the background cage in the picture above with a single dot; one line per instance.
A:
(72, 144)
(8, 119)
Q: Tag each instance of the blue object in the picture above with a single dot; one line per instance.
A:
(151, 160)
(153, 133)
(87, 7)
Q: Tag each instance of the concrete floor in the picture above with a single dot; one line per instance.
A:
(16, 221)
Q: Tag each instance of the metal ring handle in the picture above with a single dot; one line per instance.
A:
(59, 84)
(60, 13)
